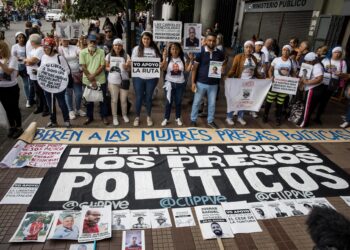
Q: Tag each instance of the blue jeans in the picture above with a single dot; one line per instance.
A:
(27, 86)
(211, 91)
(78, 93)
(144, 88)
(61, 103)
(240, 114)
(177, 90)
(103, 105)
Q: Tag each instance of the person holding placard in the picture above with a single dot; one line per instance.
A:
(144, 86)
(245, 66)
(9, 90)
(71, 54)
(51, 56)
(313, 87)
(118, 64)
(174, 85)
(281, 66)
(92, 60)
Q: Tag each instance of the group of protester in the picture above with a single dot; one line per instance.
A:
(94, 63)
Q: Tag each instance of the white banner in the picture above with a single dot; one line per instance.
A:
(247, 94)
(52, 78)
(146, 67)
(192, 37)
(21, 191)
(167, 31)
(286, 85)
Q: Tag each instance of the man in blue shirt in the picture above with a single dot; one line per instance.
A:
(202, 83)
(67, 230)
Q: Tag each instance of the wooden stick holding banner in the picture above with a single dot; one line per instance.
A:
(221, 246)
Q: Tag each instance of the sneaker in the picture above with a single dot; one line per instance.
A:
(149, 121)
(254, 114)
(213, 125)
(193, 124)
(235, 113)
(229, 121)
(241, 121)
(67, 124)
(51, 125)
(345, 124)
(137, 122)
(115, 121)
(164, 122)
(126, 119)
(72, 115)
(179, 122)
(28, 104)
(80, 112)
(18, 132)
(343, 117)
(105, 121)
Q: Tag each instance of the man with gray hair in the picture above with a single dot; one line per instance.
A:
(34, 54)
(268, 53)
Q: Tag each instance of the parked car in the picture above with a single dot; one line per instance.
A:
(53, 15)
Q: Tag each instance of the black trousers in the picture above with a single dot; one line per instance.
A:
(9, 97)
(40, 97)
(313, 99)
(326, 96)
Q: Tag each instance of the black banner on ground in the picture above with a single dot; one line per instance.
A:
(163, 176)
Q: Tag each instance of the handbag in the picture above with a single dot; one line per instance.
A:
(77, 77)
(125, 84)
(93, 95)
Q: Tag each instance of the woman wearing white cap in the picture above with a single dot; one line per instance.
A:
(71, 53)
(281, 66)
(334, 68)
(245, 66)
(18, 50)
(118, 65)
(313, 87)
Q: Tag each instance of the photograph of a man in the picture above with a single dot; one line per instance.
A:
(261, 213)
(31, 232)
(295, 211)
(161, 220)
(134, 244)
(67, 230)
(279, 212)
(91, 220)
(214, 70)
(140, 223)
(117, 225)
(217, 230)
(192, 40)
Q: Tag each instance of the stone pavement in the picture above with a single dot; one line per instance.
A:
(284, 233)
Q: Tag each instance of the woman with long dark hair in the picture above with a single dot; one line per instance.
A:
(9, 90)
(144, 86)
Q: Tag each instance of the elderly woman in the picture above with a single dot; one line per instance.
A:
(9, 90)
(245, 66)
(280, 66)
(51, 56)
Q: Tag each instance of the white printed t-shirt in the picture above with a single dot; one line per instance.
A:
(175, 71)
(282, 68)
(317, 71)
(12, 64)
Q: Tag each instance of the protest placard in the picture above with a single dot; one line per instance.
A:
(34, 227)
(215, 68)
(76, 30)
(192, 33)
(66, 225)
(260, 210)
(246, 94)
(121, 219)
(294, 208)
(140, 219)
(7, 161)
(346, 199)
(213, 222)
(145, 67)
(160, 218)
(133, 240)
(183, 217)
(305, 70)
(63, 30)
(240, 217)
(39, 155)
(52, 78)
(88, 246)
(22, 191)
(96, 223)
(286, 85)
(278, 209)
(167, 31)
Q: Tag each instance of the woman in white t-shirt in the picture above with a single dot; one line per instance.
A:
(280, 66)
(333, 70)
(9, 90)
(19, 51)
(51, 56)
(174, 64)
(118, 64)
(71, 54)
(144, 86)
(313, 87)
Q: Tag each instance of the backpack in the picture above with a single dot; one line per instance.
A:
(296, 112)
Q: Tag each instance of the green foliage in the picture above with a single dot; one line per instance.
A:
(23, 4)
